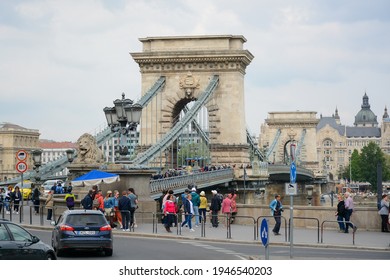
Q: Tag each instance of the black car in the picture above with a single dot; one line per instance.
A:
(82, 229)
(16, 243)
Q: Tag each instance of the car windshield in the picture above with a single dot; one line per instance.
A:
(85, 220)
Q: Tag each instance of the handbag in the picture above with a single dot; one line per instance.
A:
(108, 212)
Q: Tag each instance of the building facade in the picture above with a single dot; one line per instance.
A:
(334, 142)
(52, 151)
(12, 139)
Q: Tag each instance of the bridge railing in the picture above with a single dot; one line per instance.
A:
(201, 179)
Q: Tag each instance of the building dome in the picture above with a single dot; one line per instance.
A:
(365, 117)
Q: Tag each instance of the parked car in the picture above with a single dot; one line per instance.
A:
(46, 186)
(16, 243)
(82, 229)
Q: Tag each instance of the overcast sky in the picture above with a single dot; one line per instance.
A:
(62, 62)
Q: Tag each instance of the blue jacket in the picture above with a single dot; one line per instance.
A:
(273, 206)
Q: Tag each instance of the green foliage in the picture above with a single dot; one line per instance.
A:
(363, 166)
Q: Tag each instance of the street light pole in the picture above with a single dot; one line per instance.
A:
(123, 118)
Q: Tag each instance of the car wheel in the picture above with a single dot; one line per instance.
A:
(49, 256)
(59, 252)
(108, 252)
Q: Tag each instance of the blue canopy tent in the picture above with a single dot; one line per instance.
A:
(95, 177)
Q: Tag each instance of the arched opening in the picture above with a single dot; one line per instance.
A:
(191, 148)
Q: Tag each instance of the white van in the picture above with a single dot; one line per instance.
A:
(47, 185)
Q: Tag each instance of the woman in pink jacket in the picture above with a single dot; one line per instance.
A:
(226, 206)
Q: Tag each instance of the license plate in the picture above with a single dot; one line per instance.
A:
(86, 232)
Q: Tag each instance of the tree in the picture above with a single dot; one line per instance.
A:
(370, 156)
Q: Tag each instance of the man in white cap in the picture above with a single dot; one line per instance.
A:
(214, 208)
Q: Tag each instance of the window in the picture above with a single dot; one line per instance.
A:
(19, 233)
(4, 236)
(327, 143)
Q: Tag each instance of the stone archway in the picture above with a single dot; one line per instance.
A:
(188, 63)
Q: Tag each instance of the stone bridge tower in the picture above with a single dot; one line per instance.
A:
(188, 63)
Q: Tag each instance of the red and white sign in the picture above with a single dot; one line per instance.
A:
(21, 167)
(21, 155)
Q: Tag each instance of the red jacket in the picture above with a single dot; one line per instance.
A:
(170, 207)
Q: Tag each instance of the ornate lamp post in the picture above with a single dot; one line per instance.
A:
(122, 118)
(70, 155)
(37, 161)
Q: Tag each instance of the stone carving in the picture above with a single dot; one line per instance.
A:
(87, 151)
(189, 83)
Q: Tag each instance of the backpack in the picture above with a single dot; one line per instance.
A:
(70, 201)
(95, 203)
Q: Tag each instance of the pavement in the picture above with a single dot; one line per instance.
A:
(305, 237)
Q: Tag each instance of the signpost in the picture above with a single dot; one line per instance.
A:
(292, 185)
(21, 165)
(264, 233)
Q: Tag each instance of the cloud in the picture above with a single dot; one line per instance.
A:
(62, 62)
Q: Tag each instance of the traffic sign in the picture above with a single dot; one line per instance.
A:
(291, 189)
(21, 167)
(264, 232)
(293, 173)
(21, 155)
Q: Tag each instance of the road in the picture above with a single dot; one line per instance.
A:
(142, 248)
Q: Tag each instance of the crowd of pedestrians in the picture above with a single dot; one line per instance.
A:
(118, 210)
(192, 206)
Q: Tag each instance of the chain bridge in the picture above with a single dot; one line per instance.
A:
(193, 108)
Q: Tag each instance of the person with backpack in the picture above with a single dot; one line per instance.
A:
(98, 201)
(69, 199)
(86, 202)
(59, 189)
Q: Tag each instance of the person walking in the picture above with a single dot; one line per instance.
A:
(124, 207)
(215, 207)
(169, 212)
(109, 204)
(117, 215)
(188, 212)
(340, 213)
(98, 201)
(195, 204)
(226, 207)
(86, 202)
(384, 213)
(202, 207)
(69, 199)
(234, 206)
(49, 204)
(16, 198)
(133, 205)
(349, 207)
(276, 211)
(36, 201)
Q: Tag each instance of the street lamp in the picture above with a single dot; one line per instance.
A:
(37, 161)
(122, 118)
(309, 190)
(70, 155)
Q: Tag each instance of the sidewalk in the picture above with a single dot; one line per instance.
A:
(240, 234)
